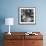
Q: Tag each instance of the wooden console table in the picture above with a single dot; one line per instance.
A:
(20, 39)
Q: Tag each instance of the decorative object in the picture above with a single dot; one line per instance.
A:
(9, 21)
(30, 33)
(27, 15)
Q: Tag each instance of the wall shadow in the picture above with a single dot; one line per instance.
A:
(2, 21)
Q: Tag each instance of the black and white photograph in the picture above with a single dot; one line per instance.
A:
(27, 15)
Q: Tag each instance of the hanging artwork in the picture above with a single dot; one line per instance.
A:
(27, 15)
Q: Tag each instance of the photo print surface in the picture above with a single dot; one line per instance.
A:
(27, 15)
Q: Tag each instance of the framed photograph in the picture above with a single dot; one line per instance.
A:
(27, 15)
